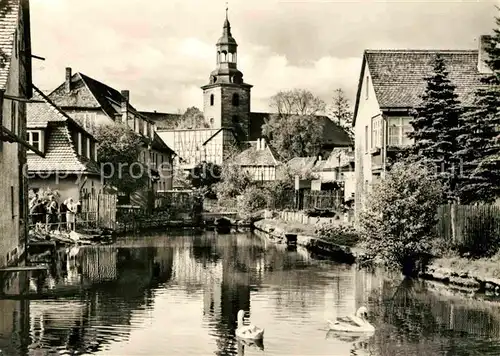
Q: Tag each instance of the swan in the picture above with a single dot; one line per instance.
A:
(248, 332)
(353, 323)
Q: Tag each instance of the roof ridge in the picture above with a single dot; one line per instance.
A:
(58, 110)
(410, 50)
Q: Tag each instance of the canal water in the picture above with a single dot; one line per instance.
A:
(179, 295)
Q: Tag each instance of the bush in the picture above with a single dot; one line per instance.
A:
(481, 234)
(398, 221)
(342, 235)
(252, 200)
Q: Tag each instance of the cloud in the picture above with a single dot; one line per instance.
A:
(164, 52)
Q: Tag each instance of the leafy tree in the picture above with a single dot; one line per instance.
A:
(341, 112)
(436, 125)
(294, 135)
(118, 153)
(233, 182)
(399, 217)
(205, 176)
(293, 130)
(480, 151)
(192, 119)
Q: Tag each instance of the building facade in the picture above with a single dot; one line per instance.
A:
(15, 90)
(69, 164)
(391, 84)
(92, 103)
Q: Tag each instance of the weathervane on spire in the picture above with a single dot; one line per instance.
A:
(227, 8)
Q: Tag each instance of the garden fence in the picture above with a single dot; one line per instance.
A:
(471, 221)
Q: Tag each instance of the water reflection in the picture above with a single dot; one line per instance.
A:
(180, 294)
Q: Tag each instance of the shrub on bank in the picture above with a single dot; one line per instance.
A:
(339, 234)
(251, 201)
(398, 221)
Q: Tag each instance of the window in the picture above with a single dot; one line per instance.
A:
(83, 150)
(366, 139)
(12, 205)
(236, 99)
(212, 100)
(235, 119)
(13, 117)
(367, 87)
(398, 131)
(376, 132)
(35, 139)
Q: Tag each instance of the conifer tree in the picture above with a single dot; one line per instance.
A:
(436, 127)
(480, 147)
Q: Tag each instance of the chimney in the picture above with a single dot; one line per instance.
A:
(483, 55)
(262, 143)
(126, 95)
(124, 105)
(67, 82)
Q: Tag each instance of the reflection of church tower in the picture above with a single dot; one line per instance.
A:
(226, 99)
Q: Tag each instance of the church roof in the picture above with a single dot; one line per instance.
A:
(333, 134)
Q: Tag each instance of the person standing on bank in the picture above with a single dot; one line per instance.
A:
(70, 215)
(63, 209)
(52, 210)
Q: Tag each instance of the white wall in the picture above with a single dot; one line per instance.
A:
(368, 107)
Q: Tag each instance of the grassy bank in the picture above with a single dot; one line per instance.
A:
(481, 268)
(333, 233)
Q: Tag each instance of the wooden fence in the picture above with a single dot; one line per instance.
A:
(469, 220)
(331, 200)
(100, 208)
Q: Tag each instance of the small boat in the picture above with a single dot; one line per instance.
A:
(354, 323)
(248, 332)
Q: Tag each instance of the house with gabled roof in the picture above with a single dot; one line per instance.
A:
(15, 91)
(390, 85)
(92, 103)
(259, 161)
(69, 164)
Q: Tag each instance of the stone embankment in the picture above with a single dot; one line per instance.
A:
(460, 278)
(314, 244)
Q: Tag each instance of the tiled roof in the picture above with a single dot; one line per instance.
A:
(163, 120)
(160, 145)
(398, 75)
(340, 157)
(38, 114)
(60, 153)
(333, 134)
(255, 157)
(9, 15)
(87, 92)
(302, 165)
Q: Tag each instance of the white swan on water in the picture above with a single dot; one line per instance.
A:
(248, 332)
(353, 323)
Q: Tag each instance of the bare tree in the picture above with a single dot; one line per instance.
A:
(297, 102)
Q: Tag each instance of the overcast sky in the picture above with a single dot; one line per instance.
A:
(164, 50)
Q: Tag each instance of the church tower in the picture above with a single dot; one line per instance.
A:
(226, 98)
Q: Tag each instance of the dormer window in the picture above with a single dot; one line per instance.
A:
(35, 139)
